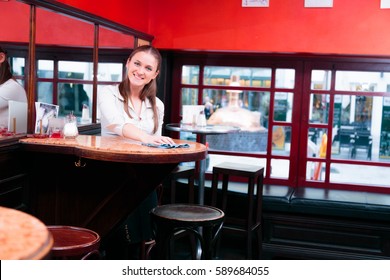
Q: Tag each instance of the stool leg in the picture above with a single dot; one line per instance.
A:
(224, 191)
(163, 242)
(249, 218)
(92, 253)
(207, 250)
(214, 189)
(259, 223)
(191, 191)
(173, 189)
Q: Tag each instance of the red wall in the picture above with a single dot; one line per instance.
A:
(350, 27)
(14, 22)
(132, 13)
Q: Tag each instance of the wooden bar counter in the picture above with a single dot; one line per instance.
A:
(96, 181)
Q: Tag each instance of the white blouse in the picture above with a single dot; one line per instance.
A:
(10, 90)
(113, 116)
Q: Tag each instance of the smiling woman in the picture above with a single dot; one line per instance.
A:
(132, 110)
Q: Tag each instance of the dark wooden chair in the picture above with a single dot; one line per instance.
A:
(74, 243)
(250, 224)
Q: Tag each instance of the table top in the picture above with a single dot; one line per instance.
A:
(116, 149)
(22, 236)
(208, 129)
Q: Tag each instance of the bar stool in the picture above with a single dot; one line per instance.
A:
(180, 172)
(74, 243)
(252, 222)
(204, 222)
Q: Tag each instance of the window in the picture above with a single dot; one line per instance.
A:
(310, 122)
(258, 98)
(67, 80)
(348, 128)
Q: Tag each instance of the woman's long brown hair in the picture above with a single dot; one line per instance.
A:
(5, 70)
(149, 91)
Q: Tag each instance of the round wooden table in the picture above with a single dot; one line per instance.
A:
(202, 131)
(22, 236)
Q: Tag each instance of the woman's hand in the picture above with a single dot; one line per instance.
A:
(153, 139)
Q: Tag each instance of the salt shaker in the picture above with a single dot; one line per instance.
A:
(70, 128)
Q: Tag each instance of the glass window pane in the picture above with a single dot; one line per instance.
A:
(45, 92)
(246, 110)
(283, 104)
(320, 79)
(208, 102)
(190, 75)
(365, 133)
(317, 141)
(319, 108)
(248, 77)
(99, 89)
(110, 72)
(315, 171)
(384, 146)
(75, 70)
(285, 78)
(189, 96)
(363, 81)
(352, 174)
(18, 66)
(280, 168)
(281, 140)
(72, 97)
(45, 68)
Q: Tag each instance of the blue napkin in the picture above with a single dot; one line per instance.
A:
(166, 146)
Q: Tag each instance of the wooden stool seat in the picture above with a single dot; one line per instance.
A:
(173, 218)
(251, 223)
(74, 242)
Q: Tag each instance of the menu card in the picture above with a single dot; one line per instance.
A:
(44, 111)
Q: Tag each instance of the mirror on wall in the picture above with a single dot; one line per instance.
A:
(14, 22)
(73, 53)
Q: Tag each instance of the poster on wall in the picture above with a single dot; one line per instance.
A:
(318, 3)
(255, 3)
(385, 4)
(384, 146)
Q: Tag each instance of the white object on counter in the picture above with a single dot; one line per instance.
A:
(70, 127)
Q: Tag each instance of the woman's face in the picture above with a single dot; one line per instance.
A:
(2, 57)
(141, 69)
